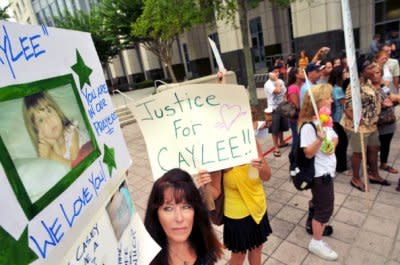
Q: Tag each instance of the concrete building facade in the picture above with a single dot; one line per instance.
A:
(22, 11)
(273, 32)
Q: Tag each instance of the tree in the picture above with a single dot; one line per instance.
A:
(118, 16)
(93, 23)
(3, 13)
(161, 23)
(227, 10)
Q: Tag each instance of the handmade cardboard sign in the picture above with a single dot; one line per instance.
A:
(62, 152)
(197, 127)
(105, 240)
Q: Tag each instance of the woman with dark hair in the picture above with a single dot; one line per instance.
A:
(339, 98)
(178, 221)
(337, 62)
(370, 110)
(295, 81)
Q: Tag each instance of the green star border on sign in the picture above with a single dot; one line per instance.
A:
(109, 158)
(82, 70)
(15, 252)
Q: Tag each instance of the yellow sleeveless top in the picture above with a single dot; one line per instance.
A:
(244, 196)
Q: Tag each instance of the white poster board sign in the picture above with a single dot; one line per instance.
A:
(118, 237)
(217, 55)
(352, 63)
(62, 152)
(197, 127)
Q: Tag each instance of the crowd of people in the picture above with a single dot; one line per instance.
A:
(319, 70)
(329, 82)
(177, 217)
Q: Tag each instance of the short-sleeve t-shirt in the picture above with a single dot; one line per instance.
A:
(274, 99)
(323, 163)
(338, 95)
(370, 109)
(293, 89)
(303, 90)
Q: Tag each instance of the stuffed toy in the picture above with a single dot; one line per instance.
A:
(325, 119)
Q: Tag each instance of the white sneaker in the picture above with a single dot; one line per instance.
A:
(321, 249)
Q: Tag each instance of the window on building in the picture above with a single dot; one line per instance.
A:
(387, 17)
(74, 6)
(48, 16)
(19, 9)
(54, 9)
(187, 58)
(92, 3)
(70, 7)
(62, 7)
(39, 18)
(257, 43)
(215, 38)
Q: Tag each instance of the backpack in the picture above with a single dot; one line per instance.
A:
(301, 168)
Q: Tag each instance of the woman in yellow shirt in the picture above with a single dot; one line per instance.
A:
(303, 61)
(246, 224)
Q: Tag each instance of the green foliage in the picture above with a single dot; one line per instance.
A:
(93, 23)
(164, 19)
(227, 10)
(3, 13)
(118, 16)
(283, 3)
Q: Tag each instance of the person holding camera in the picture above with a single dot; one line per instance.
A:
(275, 91)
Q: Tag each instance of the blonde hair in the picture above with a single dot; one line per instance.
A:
(31, 105)
(379, 55)
(320, 92)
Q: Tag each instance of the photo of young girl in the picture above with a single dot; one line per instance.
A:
(46, 136)
(54, 136)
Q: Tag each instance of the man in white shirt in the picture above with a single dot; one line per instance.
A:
(275, 90)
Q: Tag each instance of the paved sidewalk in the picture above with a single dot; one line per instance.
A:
(361, 235)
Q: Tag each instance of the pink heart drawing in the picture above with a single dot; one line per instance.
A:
(230, 114)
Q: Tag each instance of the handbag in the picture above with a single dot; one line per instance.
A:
(387, 116)
(287, 109)
(217, 215)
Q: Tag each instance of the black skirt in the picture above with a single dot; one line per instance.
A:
(245, 234)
